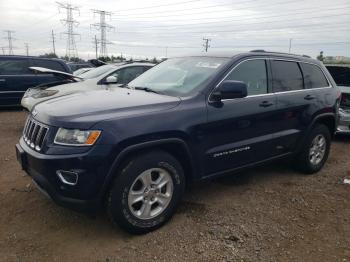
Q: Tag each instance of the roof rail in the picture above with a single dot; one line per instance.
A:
(282, 53)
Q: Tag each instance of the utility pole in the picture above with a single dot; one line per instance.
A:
(103, 27)
(27, 48)
(166, 52)
(96, 48)
(290, 44)
(3, 50)
(53, 42)
(9, 39)
(71, 48)
(206, 44)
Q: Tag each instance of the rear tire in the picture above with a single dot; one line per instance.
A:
(146, 192)
(316, 150)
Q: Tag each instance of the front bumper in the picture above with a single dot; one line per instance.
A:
(92, 168)
(344, 122)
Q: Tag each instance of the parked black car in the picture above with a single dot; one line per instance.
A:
(341, 76)
(16, 77)
(187, 119)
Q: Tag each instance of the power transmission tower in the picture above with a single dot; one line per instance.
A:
(9, 39)
(71, 48)
(26, 45)
(53, 42)
(290, 44)
(96, 46)
(103, 27)
(206, 44)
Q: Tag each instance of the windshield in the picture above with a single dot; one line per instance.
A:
(96, 72)
(179, 76)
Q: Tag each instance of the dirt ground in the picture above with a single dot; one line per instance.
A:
(269, 213)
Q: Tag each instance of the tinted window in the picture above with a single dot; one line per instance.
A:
(253, 73)
(125, 75)
(286, 76)
(14, 66)
(53, 65)
(340, 74)
(313, 76)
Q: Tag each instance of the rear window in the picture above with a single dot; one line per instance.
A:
(340, 74)
(14, 66)
(286, 76)
(313, 76)
(53, 65)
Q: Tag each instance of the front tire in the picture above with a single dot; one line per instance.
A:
(146, 192)
(316, 150)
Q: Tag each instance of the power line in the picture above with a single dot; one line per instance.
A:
(53, 42)
(206, 44)
(155, 6)
(103, 27)
(9, 39)
(71, 48)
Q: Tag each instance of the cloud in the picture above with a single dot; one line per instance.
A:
(156, 28)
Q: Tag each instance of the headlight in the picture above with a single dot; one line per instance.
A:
(44, 93)
(75, 137)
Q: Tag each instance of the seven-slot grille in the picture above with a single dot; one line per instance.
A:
(34, 134)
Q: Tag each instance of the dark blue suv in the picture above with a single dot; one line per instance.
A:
(134, 149)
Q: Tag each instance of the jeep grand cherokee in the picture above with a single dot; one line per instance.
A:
(134, 149)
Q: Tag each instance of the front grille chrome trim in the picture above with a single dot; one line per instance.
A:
(34, 133)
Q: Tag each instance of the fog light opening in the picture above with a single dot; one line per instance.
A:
(68, 177)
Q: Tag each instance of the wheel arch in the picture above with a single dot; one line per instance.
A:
(174, 146)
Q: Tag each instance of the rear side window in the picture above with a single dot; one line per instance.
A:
(53, 65)
(14, 66)
(253, 73)
(313, 76)
(286, 76)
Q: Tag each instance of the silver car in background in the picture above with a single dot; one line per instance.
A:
(106, 76)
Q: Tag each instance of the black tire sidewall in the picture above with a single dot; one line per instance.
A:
(317, 130)
(118, 199)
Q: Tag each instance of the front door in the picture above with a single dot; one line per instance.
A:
(239, 132)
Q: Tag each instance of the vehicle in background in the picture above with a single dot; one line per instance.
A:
(341, 75)
(134, 149)
(82, 71)
(74, 66)
(16, 77)
(106, 76)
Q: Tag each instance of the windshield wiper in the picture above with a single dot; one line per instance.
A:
(147, 89)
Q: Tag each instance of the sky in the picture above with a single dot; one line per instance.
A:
(165, 28)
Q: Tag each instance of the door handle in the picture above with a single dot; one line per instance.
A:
(265, 104)
(309, 97)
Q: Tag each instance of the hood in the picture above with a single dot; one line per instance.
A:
(82, 110)
(63, 75)
(344, 89)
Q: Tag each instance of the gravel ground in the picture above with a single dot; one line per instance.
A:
(269, 213)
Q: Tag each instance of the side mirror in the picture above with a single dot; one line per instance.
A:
(229, 89)
(111, 80)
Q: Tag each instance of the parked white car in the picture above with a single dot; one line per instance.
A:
(111, 75)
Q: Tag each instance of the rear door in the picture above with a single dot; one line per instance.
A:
(240, 131)
(15, 79)
(295, 103)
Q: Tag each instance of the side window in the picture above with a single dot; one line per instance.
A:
(125, 75)
(53, 65)
(14, 66)
(313, 76)
(286, 76)
(253, 73)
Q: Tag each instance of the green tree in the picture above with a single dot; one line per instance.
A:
(320, 57)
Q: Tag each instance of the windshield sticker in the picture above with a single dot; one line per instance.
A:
(208, 65)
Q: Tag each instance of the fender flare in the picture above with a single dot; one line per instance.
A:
(137, 147)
